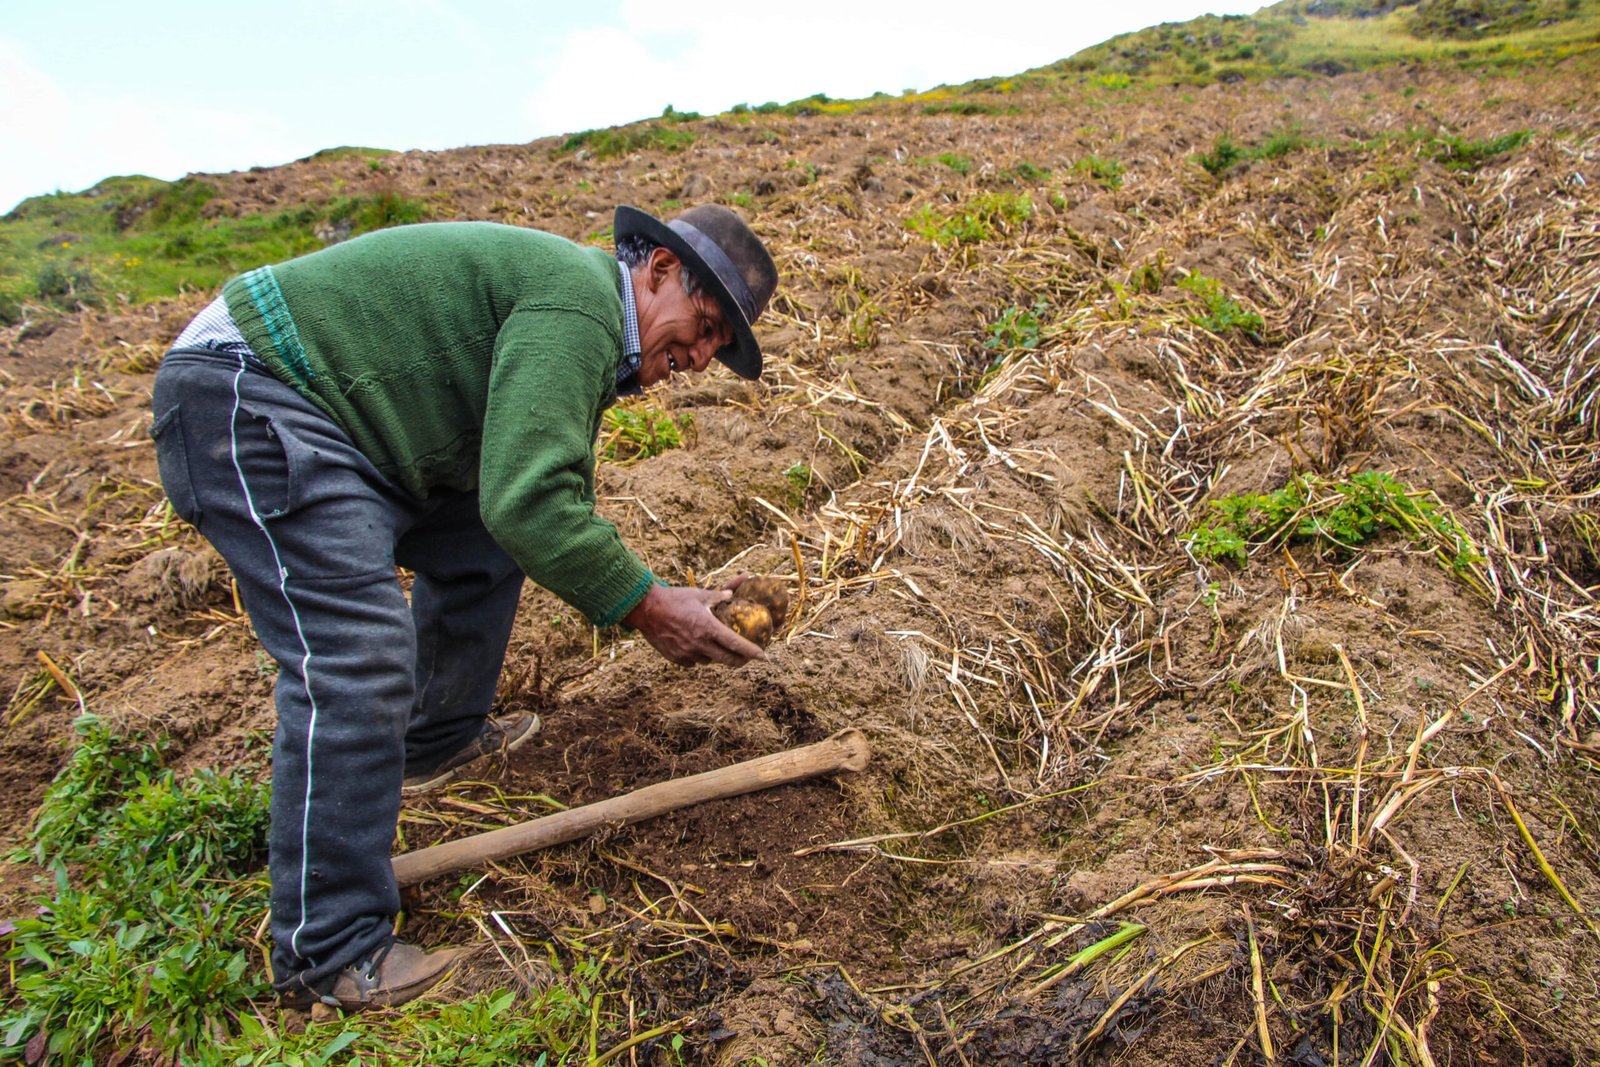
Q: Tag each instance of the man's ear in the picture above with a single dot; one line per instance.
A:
(660, 266)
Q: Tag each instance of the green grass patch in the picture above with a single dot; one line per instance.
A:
(1114, 80)
(144, 940)
(350, 152)
(638, 429)
(139, 239)
(1333, 516)
(970, 107)
(1457, 153)
(1105, 172)
(1224, 154)
(487, 1030)
(625, 140)
(985, 216)
(142, 952)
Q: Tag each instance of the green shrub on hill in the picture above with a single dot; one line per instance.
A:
(1470, 20)
(624, 140)
(140, 238)
(1300, 38)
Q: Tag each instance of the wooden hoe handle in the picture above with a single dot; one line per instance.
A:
(846, 750)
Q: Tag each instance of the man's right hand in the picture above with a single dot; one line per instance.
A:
(678, 623)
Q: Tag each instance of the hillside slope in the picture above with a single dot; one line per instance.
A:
(1189, 489)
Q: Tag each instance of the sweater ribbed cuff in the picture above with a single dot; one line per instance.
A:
(609, 598)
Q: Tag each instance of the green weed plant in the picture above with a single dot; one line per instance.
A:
(1333, 516)
(640, 429)
(1106, 172)
(980, 219)
(143, 953)
(1017, 328)
(1221, 312)
(143, 941)
(798, 477)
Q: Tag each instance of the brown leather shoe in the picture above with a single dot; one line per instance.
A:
(499, 736)
(393, 975)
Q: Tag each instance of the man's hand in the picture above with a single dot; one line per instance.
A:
(678, 623)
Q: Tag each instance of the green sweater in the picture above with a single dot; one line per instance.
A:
(469, 356)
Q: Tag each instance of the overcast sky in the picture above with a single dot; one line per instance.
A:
(96, 88)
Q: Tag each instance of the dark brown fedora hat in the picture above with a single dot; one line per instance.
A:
(730, 262)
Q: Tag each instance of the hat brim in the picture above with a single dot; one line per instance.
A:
(743, 356)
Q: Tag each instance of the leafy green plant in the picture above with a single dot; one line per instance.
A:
(1336, 516)
(1222, 156)
(864, 323)
(1149, 277)
(1017, 327)
(1027, 172)
(1107, 172)
(639, 429)
(671, 114)
(799, 478)
(1222, 312)
(983, 217)
(808, 170)
(955, 161)
(143, 941)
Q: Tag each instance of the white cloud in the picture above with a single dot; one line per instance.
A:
(728, 53)
(58, 142)
(600, 77)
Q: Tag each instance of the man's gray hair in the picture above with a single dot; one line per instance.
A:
(634, 250)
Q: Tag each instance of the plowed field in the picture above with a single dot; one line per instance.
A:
(1131, 801)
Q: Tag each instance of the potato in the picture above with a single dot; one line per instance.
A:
(746, 618)
(771, 593)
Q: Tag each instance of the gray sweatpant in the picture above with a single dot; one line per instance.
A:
(368, 687)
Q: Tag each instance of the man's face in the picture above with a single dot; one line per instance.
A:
(677, 332)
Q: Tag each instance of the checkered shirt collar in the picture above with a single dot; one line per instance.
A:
(632, 358)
